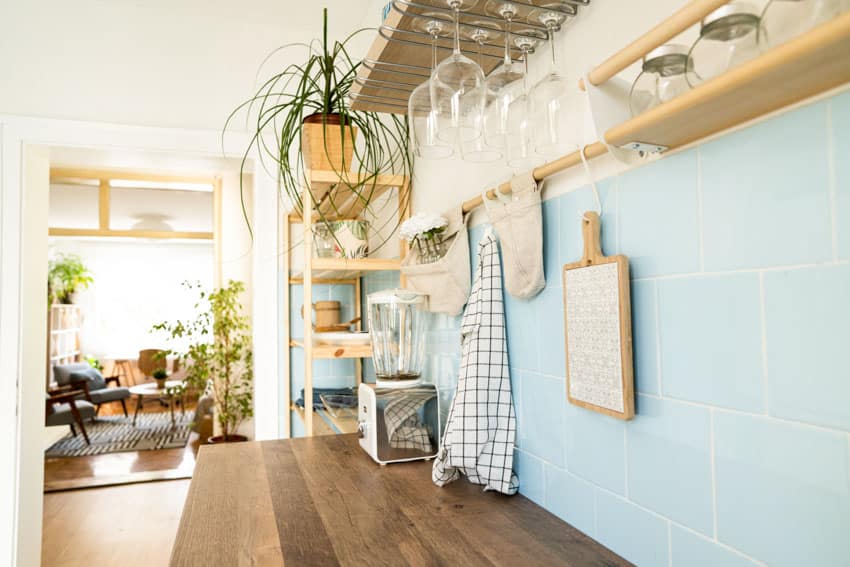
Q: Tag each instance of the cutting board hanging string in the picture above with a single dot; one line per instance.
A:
(592, 180)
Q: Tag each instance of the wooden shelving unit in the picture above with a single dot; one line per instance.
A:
(322, 188)
(64, 323)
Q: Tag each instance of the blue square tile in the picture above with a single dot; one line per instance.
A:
(644, 336)
(669, 466)
(520, 317)
(571, 499)
(595, 448)
(551, 250)
(630, 531)
(840, 110)
(757, 187)
(657, 209)
(692, 550)
(572, 207)
(529, 470)
(711, 340)
(550, 332)
(783, 495)
(542, 421)
(806, 315)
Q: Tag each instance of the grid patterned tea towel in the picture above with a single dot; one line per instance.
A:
(480, 431)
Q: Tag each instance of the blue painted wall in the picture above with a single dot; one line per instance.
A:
(740, 259)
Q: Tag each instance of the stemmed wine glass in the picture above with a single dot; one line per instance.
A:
(504, 84)
(519, 126)
(548, 97)
(480, 150)
(425, 115)
(456, 90)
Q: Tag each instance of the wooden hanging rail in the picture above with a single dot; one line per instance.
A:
(690, 14)
(811, 64)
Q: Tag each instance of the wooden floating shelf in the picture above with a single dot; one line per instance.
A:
(299, 280)
(336, 351)
(813, 63)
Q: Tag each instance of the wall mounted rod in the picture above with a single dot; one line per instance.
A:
(692, 13)
(591, 151)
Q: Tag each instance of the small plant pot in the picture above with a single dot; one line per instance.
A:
(324, 146)
(219, 439)
(160, 383)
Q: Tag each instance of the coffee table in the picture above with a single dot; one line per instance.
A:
(149, 390)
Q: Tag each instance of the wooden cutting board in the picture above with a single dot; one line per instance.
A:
(598, 328)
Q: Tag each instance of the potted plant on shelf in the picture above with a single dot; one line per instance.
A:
(160, 375)
(66, 274)
(218, 355)
(305, 110)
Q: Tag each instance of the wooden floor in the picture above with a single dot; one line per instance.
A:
(131, 525)
(61, 473)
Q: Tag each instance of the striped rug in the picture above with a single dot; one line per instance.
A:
(117, 434)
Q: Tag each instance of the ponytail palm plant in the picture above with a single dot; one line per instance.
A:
(316, 91)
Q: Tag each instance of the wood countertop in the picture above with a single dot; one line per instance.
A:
(323, 501)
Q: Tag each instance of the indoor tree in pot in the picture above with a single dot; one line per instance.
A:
(304, 122)
(66, 273)
(218, 357)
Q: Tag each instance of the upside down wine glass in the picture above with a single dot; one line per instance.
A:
(519, 136)
(456, 90)
(549, 96)
(504, 84)
(480, 150)
(424, 112)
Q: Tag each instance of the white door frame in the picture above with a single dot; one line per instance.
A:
(21, 261)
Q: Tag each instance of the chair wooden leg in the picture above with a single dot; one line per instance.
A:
(73, 430)
(124, 407)
(79, 419)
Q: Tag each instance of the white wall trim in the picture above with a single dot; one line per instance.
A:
(21, 542)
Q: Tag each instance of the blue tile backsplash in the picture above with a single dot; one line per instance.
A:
(739, 453)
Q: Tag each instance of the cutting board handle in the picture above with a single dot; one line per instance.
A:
(590, 230)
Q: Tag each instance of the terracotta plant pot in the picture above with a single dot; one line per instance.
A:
(160, 383)
(323, 146)
(218, 439)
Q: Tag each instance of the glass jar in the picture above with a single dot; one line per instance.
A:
(662, 78)
(323, 241)
(430, 250)
(728, 37)
(397, 320)
(783, 20)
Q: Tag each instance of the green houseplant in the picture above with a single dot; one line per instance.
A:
(160, 375)
(66, 273)
(303, 121)
(218, 355)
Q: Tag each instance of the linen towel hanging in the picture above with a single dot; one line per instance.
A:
(518, 221)
(446, 281)
(481, 427)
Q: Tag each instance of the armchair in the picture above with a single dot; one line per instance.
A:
(91, 384)
(63, 407)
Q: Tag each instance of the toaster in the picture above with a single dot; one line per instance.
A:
(399, 424)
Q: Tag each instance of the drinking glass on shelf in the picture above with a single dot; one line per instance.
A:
(424, 115)
(783, 20)
(728, 37)
(456, 89)
(548, 98)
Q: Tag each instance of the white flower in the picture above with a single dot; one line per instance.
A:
(419, 224)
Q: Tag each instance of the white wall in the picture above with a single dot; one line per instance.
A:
(137, 283)
(156, 62)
